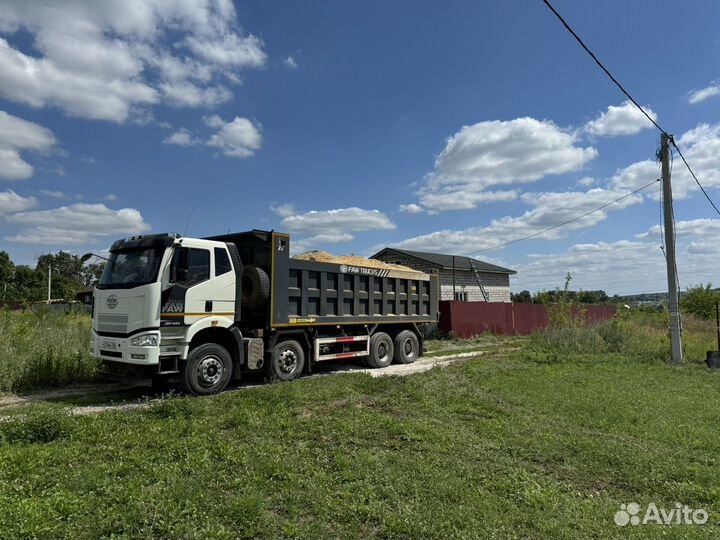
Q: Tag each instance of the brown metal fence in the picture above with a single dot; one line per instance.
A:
(466, 319)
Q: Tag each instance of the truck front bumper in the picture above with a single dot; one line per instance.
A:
(122, 350)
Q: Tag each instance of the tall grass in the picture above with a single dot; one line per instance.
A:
(44, 349)
(639, 335)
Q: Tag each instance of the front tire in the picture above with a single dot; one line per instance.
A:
(287, 361)
(381, 350)
(207, 370)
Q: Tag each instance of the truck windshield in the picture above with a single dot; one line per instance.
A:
(131, 268)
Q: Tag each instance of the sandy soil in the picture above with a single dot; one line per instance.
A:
(324, 256)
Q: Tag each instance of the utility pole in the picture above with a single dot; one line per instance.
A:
(673, 292)
(453, 276)
(49, 281)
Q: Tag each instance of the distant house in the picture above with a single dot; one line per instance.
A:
(461, 278)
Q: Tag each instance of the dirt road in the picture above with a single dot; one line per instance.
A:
(139, 397)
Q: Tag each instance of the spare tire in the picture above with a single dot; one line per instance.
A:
(255, 287)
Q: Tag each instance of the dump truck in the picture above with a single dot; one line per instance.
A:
(207, 311)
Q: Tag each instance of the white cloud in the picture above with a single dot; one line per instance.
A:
(585, 181)
(329, 238)
(17, 134)
(627, 266)
(101, 60)
(182, 137)
(111, 197)
(464, 200)
(239, 138)
(11, 202)
(623, 119)
(187, 94)
(214, 121)
(305, 244)
(291, 62)
(12, 167)
(700, 146)
(549, 209)
(695, 227)
(329, 226)
(75, 224)
(339, 220)
(496, 153)
(53, 194)
(696, 96)
(284, 210)
(411, 208)
(228, 50)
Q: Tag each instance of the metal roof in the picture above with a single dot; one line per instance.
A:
(446, 261)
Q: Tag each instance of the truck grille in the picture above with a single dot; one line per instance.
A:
(112, 323)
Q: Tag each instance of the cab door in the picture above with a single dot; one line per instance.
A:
(191, 292)
(224, 278)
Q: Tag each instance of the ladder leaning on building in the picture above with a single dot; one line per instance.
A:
(484, 293)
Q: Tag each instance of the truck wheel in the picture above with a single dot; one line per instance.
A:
(287, 360)
(381, 350)
(207, 370)
(255, 287)
(407, 347)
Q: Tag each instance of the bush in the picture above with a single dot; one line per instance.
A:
(44, 349)
(700, 301)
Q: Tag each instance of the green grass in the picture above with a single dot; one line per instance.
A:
(543, 442)
(44, 349)
(483, 342)
(490, 448)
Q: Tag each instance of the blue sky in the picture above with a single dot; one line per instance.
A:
(450, 127)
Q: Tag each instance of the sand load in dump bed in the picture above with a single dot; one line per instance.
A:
(324, 256)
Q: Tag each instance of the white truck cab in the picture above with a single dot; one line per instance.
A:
(156, 294)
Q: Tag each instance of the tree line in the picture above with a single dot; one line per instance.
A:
(24, 283)
(558, 295)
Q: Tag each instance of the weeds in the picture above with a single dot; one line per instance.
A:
(41, 428)
(44, 349)
(640, 335)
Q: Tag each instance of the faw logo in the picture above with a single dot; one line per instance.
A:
(112, 301)
(344, 269)
(173, 307)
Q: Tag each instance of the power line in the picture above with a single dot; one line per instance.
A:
(632, 99)
(693, 175)
(569, 220)
(592, 55)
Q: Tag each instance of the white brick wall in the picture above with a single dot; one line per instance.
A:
(497, 286)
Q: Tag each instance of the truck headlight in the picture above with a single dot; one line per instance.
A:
(146, 340)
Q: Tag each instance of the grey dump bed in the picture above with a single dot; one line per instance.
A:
(309, 293)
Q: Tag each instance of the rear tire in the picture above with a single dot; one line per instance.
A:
(381, 350)
(407, 347)
(207, 370)
(287, 361)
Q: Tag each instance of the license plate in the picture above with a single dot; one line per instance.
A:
(109, 345)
